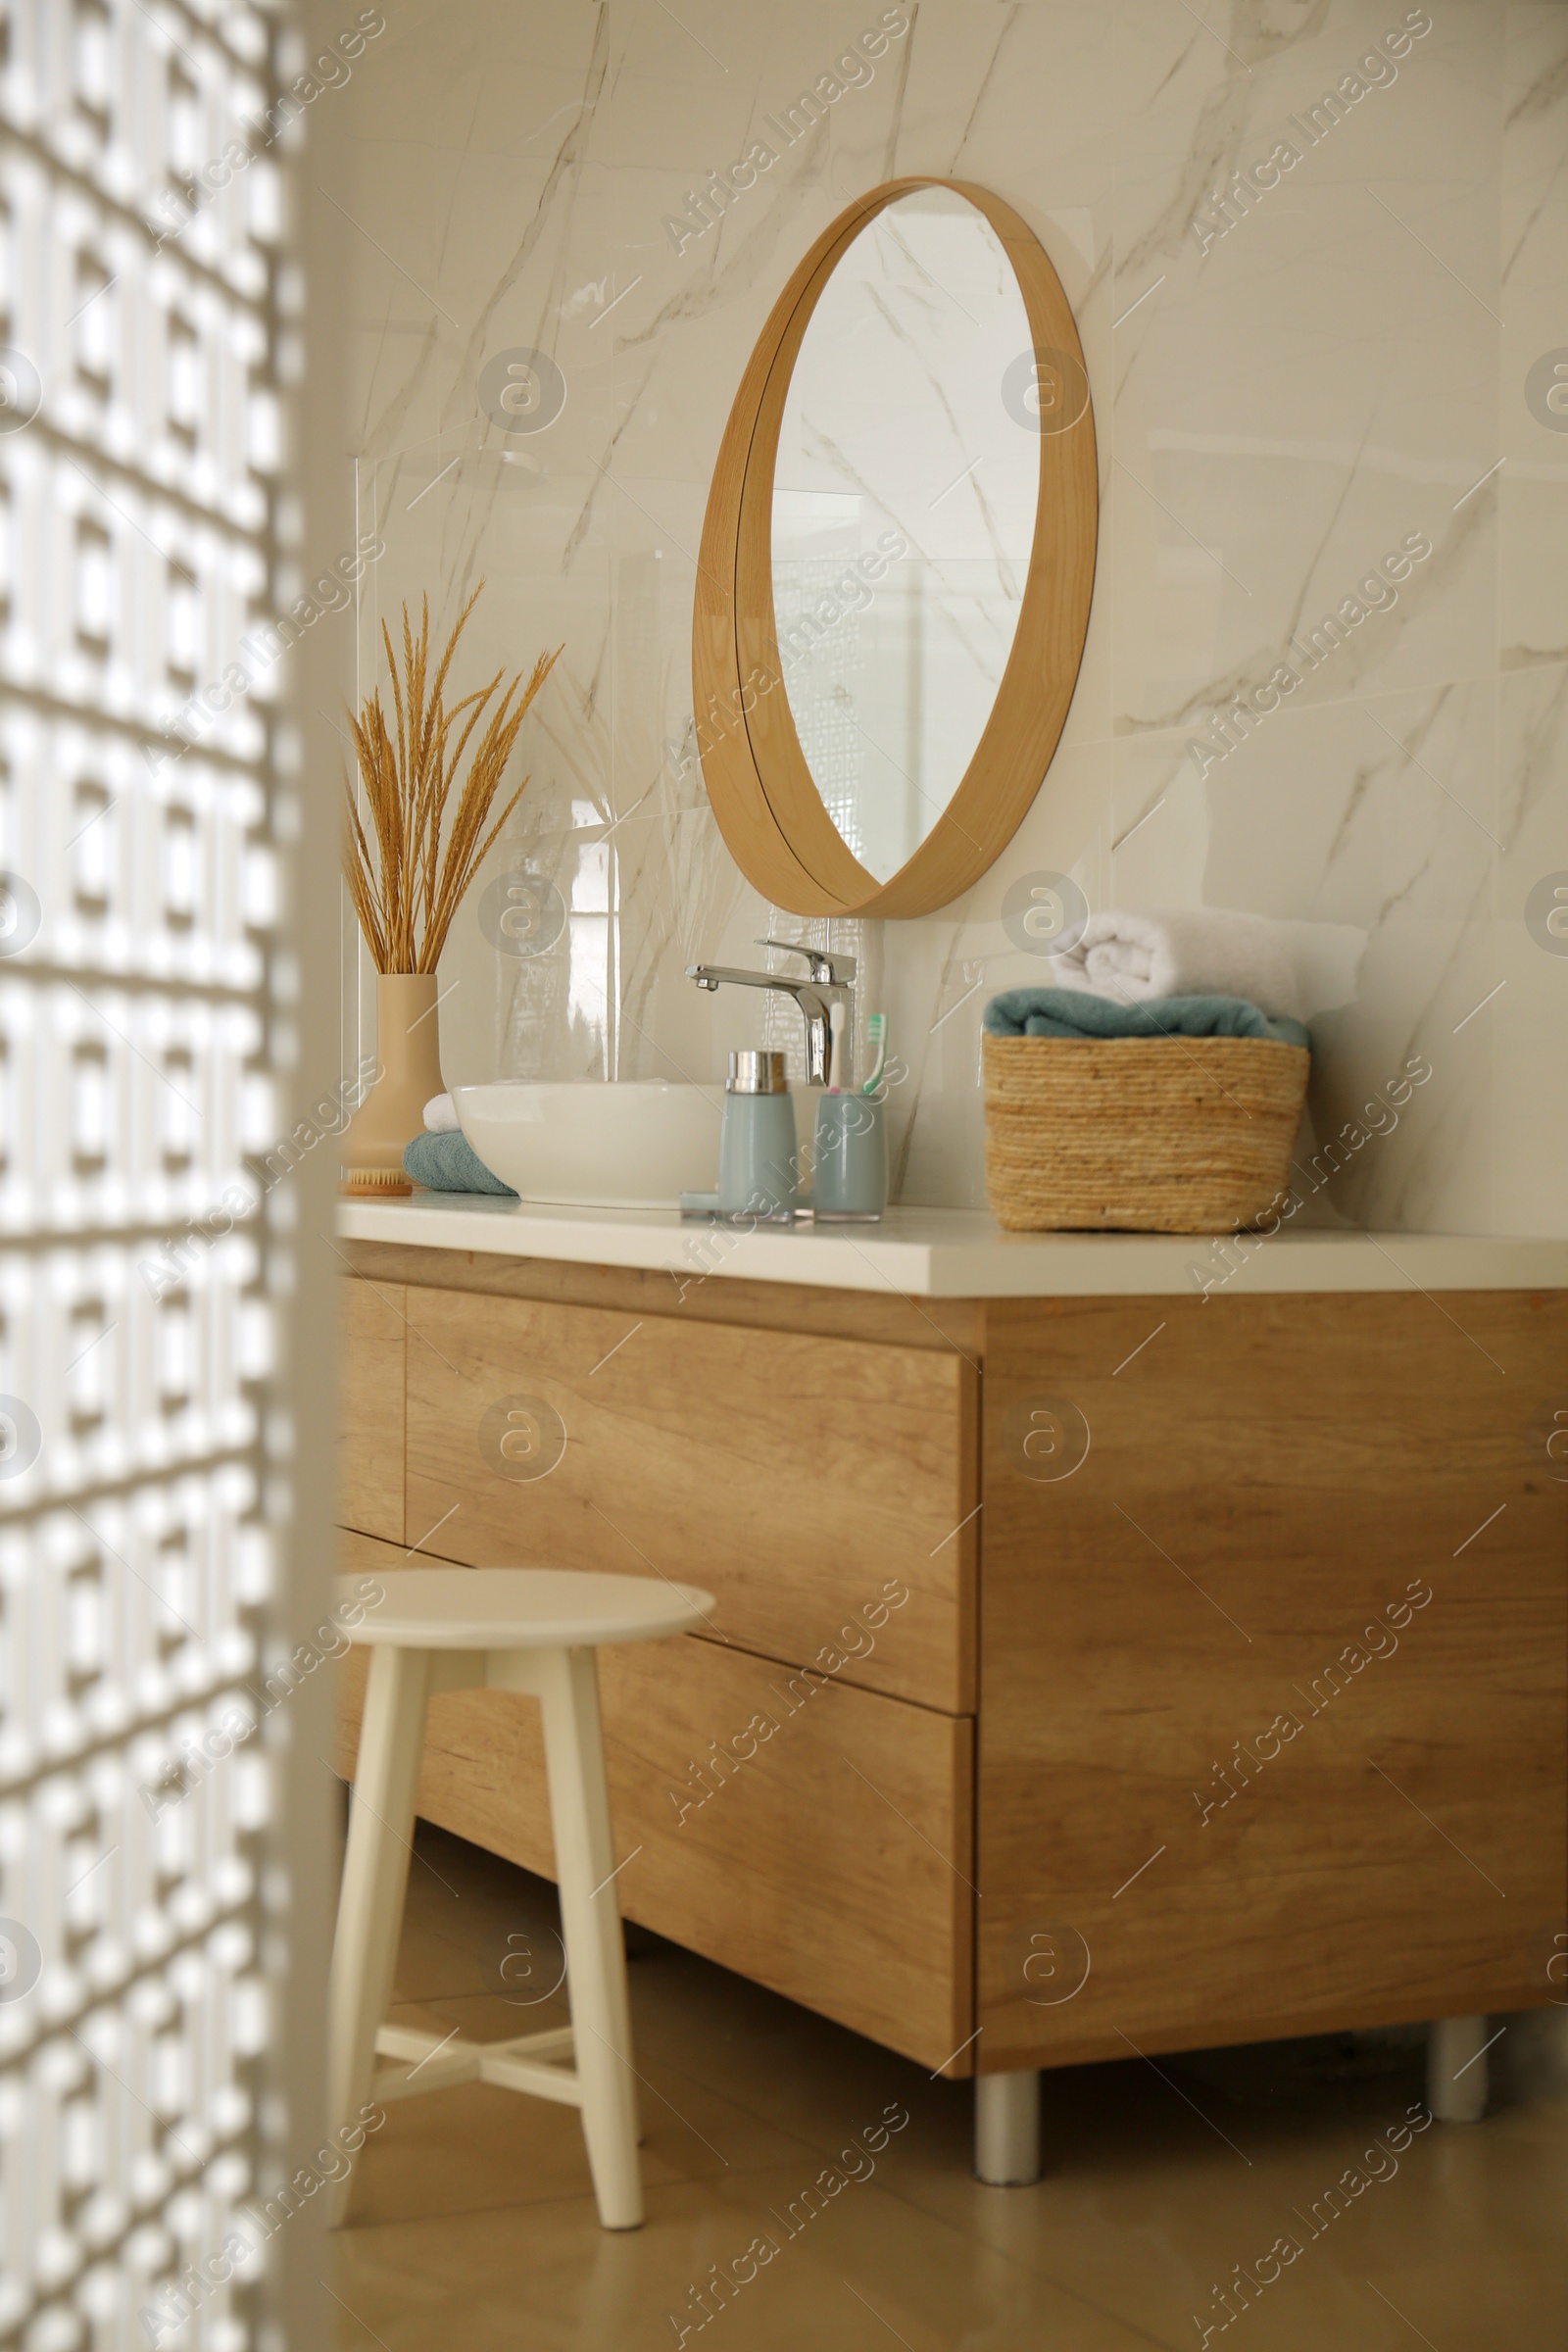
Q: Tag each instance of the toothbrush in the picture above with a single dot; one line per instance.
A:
(835, 1026)
(877, 1045)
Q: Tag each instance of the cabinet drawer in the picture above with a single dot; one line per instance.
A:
(830, 1862)
(371, 1350)
(802, 1480)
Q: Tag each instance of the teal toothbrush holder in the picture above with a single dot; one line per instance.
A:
(850, 1159)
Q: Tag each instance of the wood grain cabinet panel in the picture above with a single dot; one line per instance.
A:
(370, 1362)
(803, 1480)
(826, 1856)
(1273, 1680)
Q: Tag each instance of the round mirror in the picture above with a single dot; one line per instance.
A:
(898, 558)
(904, 514)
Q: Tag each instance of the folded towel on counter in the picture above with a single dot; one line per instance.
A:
(1073, 1013)
(1185, 953)
(449, 1163)
(440, 1116)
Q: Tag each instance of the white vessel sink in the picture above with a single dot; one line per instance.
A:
(629, 1143)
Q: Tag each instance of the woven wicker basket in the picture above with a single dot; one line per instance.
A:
(1155, 1135)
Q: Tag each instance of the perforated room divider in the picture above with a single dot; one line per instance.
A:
(148, 1451)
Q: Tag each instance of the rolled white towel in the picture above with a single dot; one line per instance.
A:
(440, 1118)
(1197, 952)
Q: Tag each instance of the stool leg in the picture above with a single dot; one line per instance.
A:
(375, 1877)
(590, 1919)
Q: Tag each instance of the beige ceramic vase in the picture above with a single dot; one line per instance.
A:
(408, 1049)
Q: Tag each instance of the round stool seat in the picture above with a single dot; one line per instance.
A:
(522, 1608)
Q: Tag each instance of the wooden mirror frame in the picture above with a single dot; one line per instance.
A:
(768, 810)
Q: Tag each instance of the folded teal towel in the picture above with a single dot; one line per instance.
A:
(1072, 1012)
(449, 1163)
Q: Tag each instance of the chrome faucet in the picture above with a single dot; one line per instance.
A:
(829, 983)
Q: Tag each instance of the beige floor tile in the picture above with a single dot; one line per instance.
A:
(472, 2215)
(1146, 2209)
(866, 2270)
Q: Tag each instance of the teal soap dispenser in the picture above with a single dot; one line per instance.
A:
(758, 1160)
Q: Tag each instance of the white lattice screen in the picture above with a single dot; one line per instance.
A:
(144, 1015)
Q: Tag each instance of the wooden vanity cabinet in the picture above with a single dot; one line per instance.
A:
(1209, 1682)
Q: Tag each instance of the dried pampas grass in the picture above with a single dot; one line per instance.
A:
(408, 891)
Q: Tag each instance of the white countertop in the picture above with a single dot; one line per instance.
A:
(960, 1253)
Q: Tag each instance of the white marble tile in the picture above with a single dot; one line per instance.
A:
(1379, 815)
(1533, 489)
(1526, 1145)
(1314, 378)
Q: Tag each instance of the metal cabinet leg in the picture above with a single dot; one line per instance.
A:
(1456, 2069)
(1006, 2128)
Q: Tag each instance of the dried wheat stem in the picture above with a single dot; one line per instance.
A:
(409, 871)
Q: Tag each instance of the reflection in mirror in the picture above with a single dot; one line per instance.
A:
(903, 513)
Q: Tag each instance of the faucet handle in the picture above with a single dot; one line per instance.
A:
(831, 969)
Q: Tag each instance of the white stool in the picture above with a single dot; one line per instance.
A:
(502, 1629)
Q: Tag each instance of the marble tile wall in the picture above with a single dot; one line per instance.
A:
(1361, 357)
